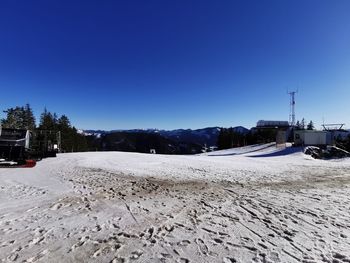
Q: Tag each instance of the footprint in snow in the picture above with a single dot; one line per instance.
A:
(56, 206)
(203, 248)
(136, 254)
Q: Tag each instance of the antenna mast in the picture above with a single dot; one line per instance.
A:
(292, 108)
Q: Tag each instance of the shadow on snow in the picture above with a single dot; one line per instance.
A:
(285, 151)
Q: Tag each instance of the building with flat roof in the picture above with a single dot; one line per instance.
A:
(311, 138)
(272, 124)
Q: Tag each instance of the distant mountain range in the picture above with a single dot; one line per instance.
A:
(181, 141)
(206, 136)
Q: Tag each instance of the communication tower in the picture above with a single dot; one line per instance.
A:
(292, 108)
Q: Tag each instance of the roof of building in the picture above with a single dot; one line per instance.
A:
(269, 123)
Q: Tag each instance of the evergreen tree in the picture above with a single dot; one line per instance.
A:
(48, 121)
(29, 119)
(19, 118)
(310, 126)
(80, 142)
(14, 118)
(67, 134)
(300, 125)
(71, 140)
(63, 123)
(49, 127)
(55, 120)
(221, 139)
(229, 138)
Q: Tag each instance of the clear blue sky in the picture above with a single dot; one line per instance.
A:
(176, 64)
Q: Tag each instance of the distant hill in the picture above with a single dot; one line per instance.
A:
(141, 142)
(180, 141)
(206, 136)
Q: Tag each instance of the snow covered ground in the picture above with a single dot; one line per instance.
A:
(253, 204)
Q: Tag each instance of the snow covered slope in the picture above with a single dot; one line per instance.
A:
(259, 150)
(253, 204)
(244, 150)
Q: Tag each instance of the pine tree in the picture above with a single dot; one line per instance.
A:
(19, 118)
(48, 121)
(229, 138)
(71, 140)
(63, 123)
(67, 134)
(29, 119)
(13, 118)
(310, 126)
(49, 126)
(302, 124)
(221, 139)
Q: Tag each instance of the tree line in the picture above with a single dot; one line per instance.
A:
(301, 125)
(230, 138)
(22, 117)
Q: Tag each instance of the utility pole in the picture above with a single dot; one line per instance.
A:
(292, 108)
(58, 135)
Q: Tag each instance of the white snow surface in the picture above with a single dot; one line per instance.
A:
(251, 204)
